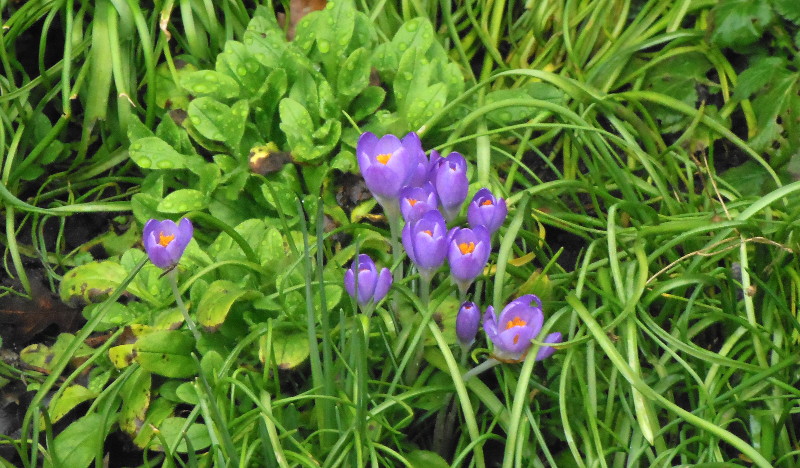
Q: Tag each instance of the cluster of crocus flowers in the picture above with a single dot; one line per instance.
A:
(429, 193)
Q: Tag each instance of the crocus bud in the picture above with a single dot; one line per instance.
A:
(547, 351)
(372, 285)
(467, 254)
(386, 165)
(425, 241)
(511, 333)
(165, 241)
(486, 210)
(419, 173)
(449, 177)
(467, 322)
(416, 201)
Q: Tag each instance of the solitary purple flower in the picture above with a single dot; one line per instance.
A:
(468, 253)
(387, 164)
(425, 241)
(467, 322)
(449, 176)
(486, 210)
(165, 241)
(547, 351)
(372, 286)
(416, 201)
(519, 322)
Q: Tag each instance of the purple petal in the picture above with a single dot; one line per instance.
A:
(467, 322)
(384, 283)
(547, 351)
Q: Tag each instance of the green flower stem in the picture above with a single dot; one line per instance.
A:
(461, 391)
(424, 297)
(480, 368)
(173, 281)
(392, 212)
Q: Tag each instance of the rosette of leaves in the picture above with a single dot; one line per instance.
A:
(301, 97)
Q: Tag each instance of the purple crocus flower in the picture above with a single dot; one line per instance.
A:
(425, 241)
(467, 254)
(165, 241)
(547, 351)
(419, 173)
(416, 201)
(449, 177)
(511, 333)
(387, 164)
(486, 210)
(372, 285)
(467, 322)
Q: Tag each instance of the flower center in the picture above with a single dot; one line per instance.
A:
(466, 248)
(515, 322)
(384, 158)
(412, 201)
(486, 203)
(165, 240)
(516, 339)
(428, 232)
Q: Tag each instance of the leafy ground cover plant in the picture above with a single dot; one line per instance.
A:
(673, 288)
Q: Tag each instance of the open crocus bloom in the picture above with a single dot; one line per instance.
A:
(467, 254)
(387, 164)
(511, 333)
(165, 241)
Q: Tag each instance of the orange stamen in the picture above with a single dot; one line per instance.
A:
(516, 322)
(486, 203)
(516, 339)
(466, 248)
(428, 232)
(412, 202)
(383, 158)
(165, 240)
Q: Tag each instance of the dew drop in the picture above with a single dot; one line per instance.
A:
(412, 26)
(144, 163)
(324, 46)
(165, 164)
(242, 71)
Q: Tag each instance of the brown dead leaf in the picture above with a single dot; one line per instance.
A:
(21, 318)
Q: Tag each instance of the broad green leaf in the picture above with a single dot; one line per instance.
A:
(78, 444)
(210, 83)
(135, 395)
(92, 282)
(425, 459)
(149, 284)
(216, 121)
(170, 95)
(115, 315)
(366, 103)
(779, 97)
(175, 136)
(155, 153)
(290, 346)
(172, 429)
(182, 201)
(160, 409)
(167, 353)
(216, 303)
(424, 104)
(238, 62)
(354, 74)
(738, 23)
(760, 74)
(789, 9)
(677, 76)
(750, 179)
